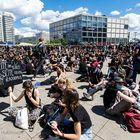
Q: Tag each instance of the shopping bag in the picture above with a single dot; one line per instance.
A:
(22, 118)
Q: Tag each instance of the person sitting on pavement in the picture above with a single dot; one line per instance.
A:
(96, 82)
(80, 127)
(124, 98)
(32, 99)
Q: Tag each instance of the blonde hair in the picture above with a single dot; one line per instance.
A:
(61, 81)
(69, 84)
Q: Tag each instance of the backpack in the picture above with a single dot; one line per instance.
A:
(132, 119)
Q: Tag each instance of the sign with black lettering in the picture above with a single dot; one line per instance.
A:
(10, 73)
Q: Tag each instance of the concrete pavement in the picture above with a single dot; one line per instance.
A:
(104, 127)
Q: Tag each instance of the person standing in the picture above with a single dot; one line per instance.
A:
(40, 52)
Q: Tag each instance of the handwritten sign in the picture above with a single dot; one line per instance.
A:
(10, 73)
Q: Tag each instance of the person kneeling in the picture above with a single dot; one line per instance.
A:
(32, 99)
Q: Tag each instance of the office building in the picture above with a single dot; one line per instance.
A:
(91, 28)
(6, 28)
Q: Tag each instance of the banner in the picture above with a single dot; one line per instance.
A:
(10, 73)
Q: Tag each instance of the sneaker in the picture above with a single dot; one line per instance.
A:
(88, 96)
(33, 79)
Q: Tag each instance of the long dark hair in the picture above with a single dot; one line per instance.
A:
(28, 84)
(71, 98)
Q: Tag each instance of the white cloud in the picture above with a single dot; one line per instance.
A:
(134, 23)
(128, 9)
(22, 8)
(115, 13)
(98, 13)
(138, 5)
(42, 20)
(26, 31)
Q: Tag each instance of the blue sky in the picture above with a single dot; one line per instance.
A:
(33, 16)
(105, 6)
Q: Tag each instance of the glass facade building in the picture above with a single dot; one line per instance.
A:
(90, 28)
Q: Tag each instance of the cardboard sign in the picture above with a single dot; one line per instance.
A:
(10, 73)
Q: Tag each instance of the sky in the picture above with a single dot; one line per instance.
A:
(33, 16)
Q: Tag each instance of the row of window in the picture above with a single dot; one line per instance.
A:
(90, 20)
(88, 28)
(102, 40)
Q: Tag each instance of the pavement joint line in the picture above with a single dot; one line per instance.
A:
(102, 127)
(97, 136)
(27, 133)
(36, 135)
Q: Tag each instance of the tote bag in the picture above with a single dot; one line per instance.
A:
(22, 118)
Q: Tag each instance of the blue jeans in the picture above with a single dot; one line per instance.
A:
(87, 134)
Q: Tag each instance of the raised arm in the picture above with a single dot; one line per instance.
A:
(13, 97)
(131, 99)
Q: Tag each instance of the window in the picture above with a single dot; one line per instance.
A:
(84, 28)
(113, 25)
(94, 19)
(104, 20)
(125, 35)
(104, 29)
(89, 17)
(109, 19)
(99, 40)
(84, 23)
(99, 29)
(117, 36)
(125, 26)
(104, 39)
(89, 33)
(113, 30)
(117, 25)
(114, 20)
(99, 34)
(108, 29)
(117, 30)
(84, 17)
(109, 25)
(104, 25)
(108, 34)
(94, 34)
(84, 33)
(99, 19)
(99, 24)
(113, 36)
(89, 24)
(104, 34)
(94, 24)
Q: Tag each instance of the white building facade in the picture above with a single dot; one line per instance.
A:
(6, 28)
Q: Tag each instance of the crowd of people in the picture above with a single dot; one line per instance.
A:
(121, 92)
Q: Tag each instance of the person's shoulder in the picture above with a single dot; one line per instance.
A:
(36, 91)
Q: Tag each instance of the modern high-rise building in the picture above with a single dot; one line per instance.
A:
(91, 28)
(6, 28)
(1, 29)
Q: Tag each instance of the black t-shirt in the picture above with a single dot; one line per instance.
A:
(81, 115)
(109, 97)
(95, 76)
